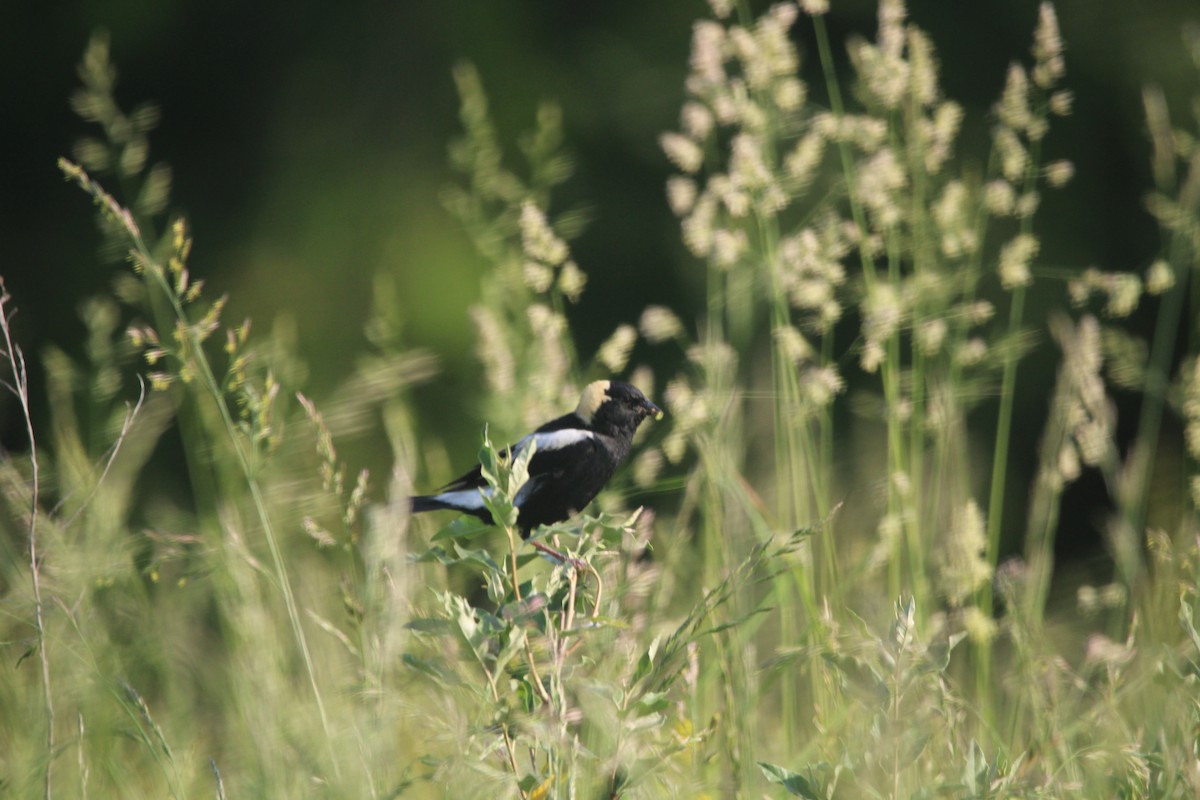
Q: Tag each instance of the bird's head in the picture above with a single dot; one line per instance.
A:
(615, 407)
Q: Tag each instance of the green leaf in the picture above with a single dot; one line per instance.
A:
(516, 641)
(651, 702)
(795, 784)
(503, 511)
(465, 527)
(480, 558)
(644, 723)
(488, 459)
(646, 662)
(939, 653)
(436, 553)
(1185, 619)
(525, 694)
(438, 627)
(977, 774)
(434, 668)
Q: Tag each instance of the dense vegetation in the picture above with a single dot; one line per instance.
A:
(824, 593)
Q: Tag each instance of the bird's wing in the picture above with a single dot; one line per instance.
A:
(556, 455)
(555, 435)
(552, 439)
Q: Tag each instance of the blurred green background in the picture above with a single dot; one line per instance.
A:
(308, 146)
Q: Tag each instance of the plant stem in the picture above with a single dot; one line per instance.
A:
(20, 388)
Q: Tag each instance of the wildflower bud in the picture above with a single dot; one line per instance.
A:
(803, 160)
(682, 151)
(537, 239)
(537, 276)
(1095, 441)
(681, 194)
(972, 352)
(1013, 108)
(697, 121)
(1061, 103)
(1014, 261)
(820, 385)
(963, 569)
(159, 381)
(1125, 290)
(1013, 158)
(924, 82)
(708, 52)
(980, 312)
(930, 335)
(728, 246)
(647, 466)
(1087, 599)
(792, 344)
(571, 280)
(746, 164)
(872, 357)
(698, 226)
(659, 324)
(1159, 277)
(980, 627)
(1000, 197)
(1047, 48)
(789, 94)
(1068, 463)
(614, 353)
(1027, 204)
(1058, 173)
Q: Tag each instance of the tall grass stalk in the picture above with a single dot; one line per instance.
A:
(19, 388)
(1181, 259)
(195, 362)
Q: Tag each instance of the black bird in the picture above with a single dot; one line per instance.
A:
(576, 455)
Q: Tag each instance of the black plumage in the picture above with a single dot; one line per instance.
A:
(576, 454)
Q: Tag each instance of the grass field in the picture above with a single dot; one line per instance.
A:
(828, 590)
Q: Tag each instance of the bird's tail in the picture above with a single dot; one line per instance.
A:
(421, 503)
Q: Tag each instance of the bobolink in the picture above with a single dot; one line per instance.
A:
(576, 455)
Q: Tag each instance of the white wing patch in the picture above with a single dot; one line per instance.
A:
(554, 440)
(466, 499)
(472, 499)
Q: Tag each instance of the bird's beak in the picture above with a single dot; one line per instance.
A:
(652, 410)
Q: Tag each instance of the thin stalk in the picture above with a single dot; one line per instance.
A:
(1157, 379)
(995, 512)
(924, 261)
(509, 750)
(835, 103)
(825, 468)
(20, 388)
(1008, 383)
